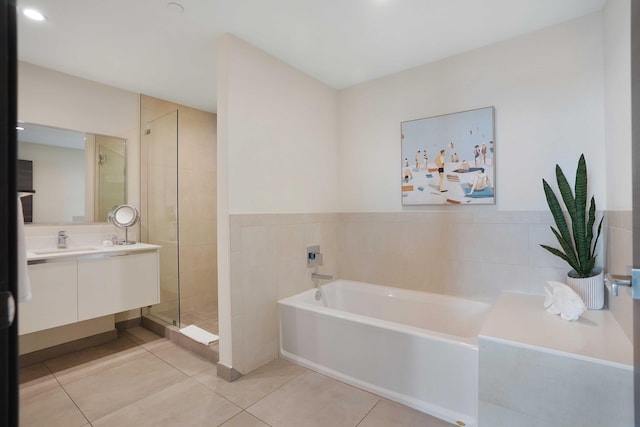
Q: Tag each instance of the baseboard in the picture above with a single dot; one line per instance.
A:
(227, 373)
(128, 324)
(67, 347)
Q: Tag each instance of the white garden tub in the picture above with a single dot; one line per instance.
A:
(416, 348)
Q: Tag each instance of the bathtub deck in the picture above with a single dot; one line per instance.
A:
(537, 369)
(521, 320)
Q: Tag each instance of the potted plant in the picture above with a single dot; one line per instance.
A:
(577, 240)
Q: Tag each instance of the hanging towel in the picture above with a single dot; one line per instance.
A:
(24, 284)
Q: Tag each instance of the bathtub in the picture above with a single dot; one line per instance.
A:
(416, 348)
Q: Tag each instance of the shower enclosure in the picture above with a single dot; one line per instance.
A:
(159, 182)
(178, 207)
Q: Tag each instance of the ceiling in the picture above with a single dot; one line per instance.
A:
(147, 46)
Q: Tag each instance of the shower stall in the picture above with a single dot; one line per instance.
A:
(178, 210)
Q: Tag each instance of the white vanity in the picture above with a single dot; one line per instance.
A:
(79, 283)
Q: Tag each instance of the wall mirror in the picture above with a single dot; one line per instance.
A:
(74, 177)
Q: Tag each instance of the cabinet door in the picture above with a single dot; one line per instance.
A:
(54, 300)
(115, 284)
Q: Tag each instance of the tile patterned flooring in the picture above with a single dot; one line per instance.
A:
(141, 379)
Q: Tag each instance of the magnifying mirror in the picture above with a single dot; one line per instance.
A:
(124, 216)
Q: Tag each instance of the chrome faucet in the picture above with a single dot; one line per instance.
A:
(321, 276)
(62, 239)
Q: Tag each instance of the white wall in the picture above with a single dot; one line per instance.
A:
(277, 152)
(546, 86)
(56, 99)
(282, 127)
(617, 112)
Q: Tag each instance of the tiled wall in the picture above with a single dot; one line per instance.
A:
(473, 254)
(619, 256)
(268, 262)
(197, 199)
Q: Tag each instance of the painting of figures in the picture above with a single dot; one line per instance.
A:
(449, 159)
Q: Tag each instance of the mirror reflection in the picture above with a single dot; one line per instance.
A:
(74, 177)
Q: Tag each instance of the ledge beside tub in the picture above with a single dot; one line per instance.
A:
(536, 369)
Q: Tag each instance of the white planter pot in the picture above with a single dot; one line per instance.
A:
(590, 289)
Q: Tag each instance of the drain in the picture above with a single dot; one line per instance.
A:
(318, 295)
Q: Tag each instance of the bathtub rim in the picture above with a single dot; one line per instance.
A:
(465, 341)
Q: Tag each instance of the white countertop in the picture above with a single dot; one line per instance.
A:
(521, 320)
(53, 253)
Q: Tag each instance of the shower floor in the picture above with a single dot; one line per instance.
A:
(202, 312)
(205, 317)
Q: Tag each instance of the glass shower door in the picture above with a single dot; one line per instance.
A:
(159, 153)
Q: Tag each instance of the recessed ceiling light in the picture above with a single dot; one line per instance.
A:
(34, 14)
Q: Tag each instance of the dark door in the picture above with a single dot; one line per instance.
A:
(635, 158)
(8, 214)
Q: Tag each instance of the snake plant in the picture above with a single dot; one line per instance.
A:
(577, 239)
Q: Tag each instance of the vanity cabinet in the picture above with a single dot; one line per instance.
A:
(54, 301)
(115, 284)
(76, 288)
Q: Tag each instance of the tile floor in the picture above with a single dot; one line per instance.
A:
(141, 379)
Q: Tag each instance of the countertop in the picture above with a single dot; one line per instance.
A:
(86, 250)
(521, 320)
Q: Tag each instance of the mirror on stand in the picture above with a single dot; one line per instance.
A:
(124, 216)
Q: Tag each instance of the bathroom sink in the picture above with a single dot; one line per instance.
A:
(63, 250)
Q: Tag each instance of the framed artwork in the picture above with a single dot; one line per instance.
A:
(449, 159)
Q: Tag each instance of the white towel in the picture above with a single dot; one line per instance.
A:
(198, 334)
(561, 299)
(24, 284)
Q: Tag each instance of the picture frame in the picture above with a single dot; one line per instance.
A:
(449, 159)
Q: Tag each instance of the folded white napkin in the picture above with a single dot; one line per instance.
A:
(561, 299)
